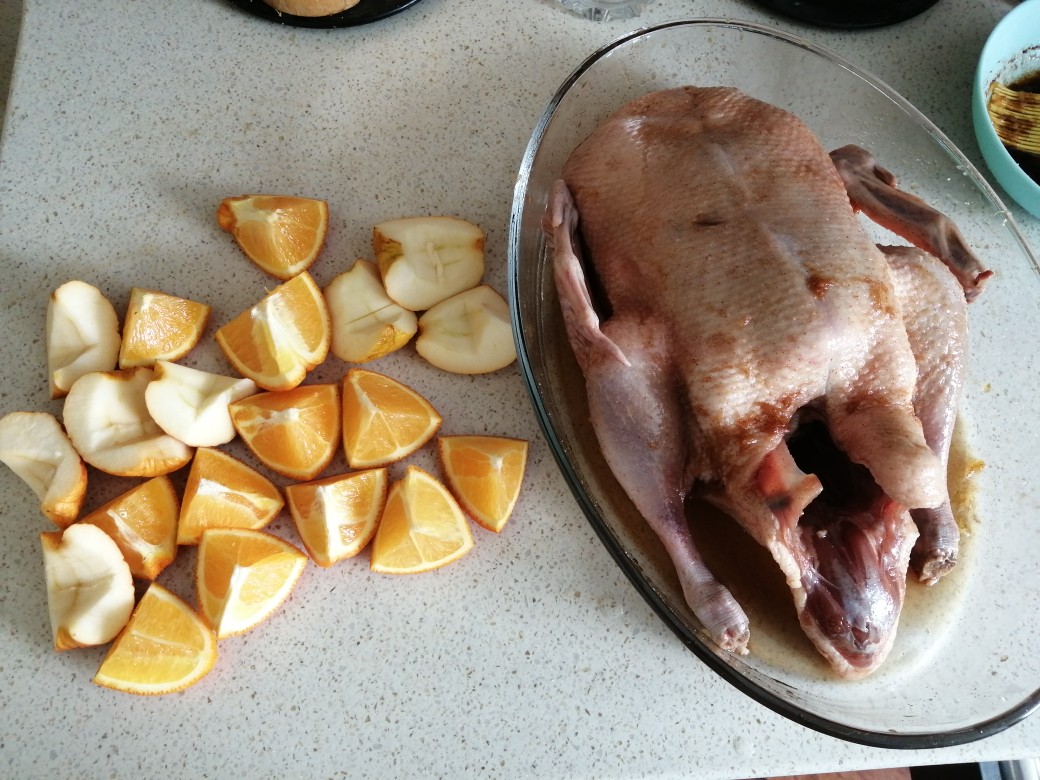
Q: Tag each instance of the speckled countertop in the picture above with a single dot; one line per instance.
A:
(127, 123)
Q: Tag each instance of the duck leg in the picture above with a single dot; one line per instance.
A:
(936, 318)
(636, 412)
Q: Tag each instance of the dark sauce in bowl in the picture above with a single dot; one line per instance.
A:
(1030, 83)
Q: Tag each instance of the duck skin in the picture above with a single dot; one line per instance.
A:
(743, 338)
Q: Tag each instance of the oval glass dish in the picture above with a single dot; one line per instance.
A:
(965, 663)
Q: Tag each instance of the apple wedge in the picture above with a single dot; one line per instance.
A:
(424, 260)
(34, 446)
(82, 334)
(107, 419)
(468, 333)
(90, 592)
(366, 323)
(192, 405)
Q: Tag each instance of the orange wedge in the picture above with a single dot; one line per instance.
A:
(422, 527)
(294, 432)
(337, 516)
(484, 473)
(164, 648)
(383, 419)
(277, 341)
(143, 523)
(222, 492)
(243, 576)
(282, 234)
(158, 326)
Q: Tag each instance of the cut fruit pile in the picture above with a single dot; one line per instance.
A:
(131, 410)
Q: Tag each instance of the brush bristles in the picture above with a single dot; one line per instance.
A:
(1016, 117)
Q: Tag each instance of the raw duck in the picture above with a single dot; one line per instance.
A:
(743, 338)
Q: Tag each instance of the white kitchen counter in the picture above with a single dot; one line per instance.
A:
(127, 122)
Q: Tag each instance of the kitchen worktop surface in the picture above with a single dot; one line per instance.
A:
(127, 123)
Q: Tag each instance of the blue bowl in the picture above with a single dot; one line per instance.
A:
(1011, 51)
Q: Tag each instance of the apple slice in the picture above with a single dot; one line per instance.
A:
(192, 405)
(366, 323)
(424, 260)
(90, 592)
(108, 422)
(34, 447)
(468, 333)
(82, 334)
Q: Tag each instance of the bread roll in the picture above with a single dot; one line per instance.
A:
(311, 7)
